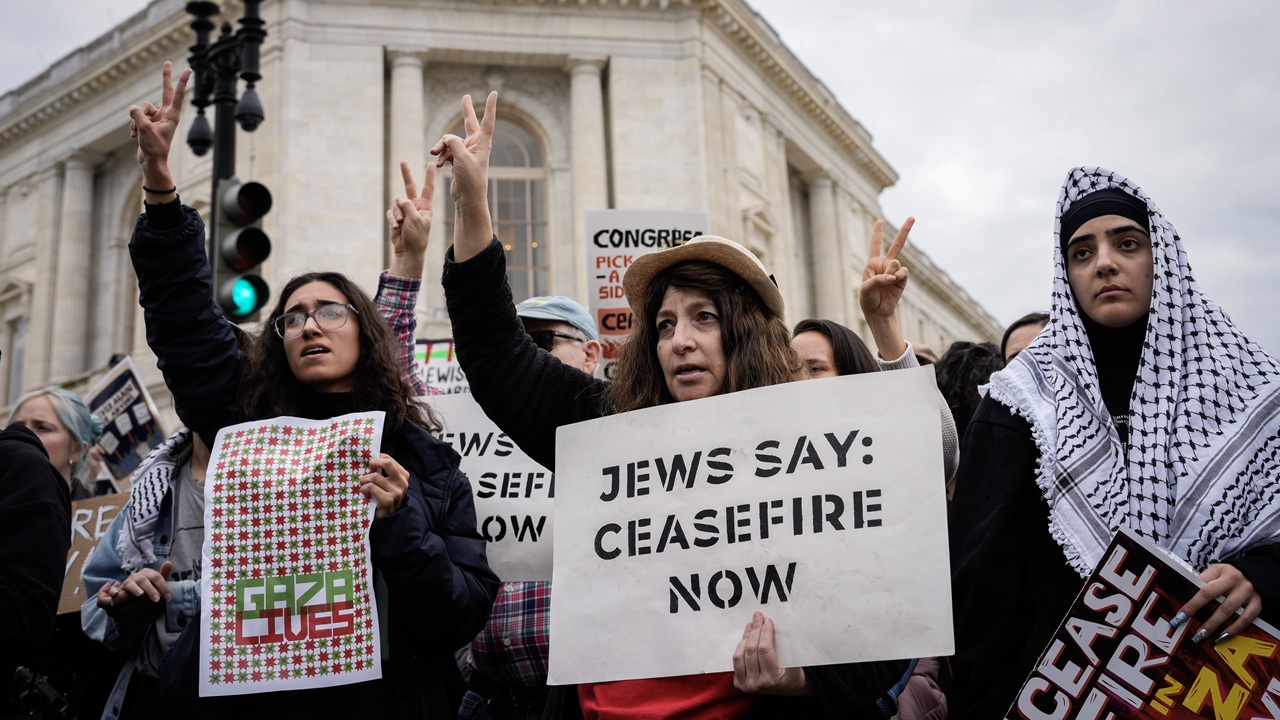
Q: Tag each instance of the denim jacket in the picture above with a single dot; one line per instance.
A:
(106, 565)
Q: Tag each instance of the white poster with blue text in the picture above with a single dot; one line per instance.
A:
(821, 504)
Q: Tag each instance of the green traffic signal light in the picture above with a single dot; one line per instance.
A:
(240, 247)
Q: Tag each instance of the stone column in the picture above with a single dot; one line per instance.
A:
(827, 262)
(43, 234)
(587, 155)
(408, 119)
(75, 244)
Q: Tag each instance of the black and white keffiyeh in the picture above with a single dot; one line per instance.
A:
(1201, 476)
(151, 482)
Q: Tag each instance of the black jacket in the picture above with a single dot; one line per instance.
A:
(529, 394)
(1011, 584)
(35, 533)
(428, 552)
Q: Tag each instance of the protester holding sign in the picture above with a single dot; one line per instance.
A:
(66, 427)
(708, 320)
(1140, 405)
(323, 353)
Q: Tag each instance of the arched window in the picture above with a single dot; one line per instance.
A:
(518, 204)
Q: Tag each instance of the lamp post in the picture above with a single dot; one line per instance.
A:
(218, 66)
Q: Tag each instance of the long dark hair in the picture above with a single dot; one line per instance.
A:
(961, 369)
(851, 354)
(757, 348)
(270, 388)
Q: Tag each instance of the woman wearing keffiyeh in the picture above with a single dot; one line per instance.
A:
(1139, 405)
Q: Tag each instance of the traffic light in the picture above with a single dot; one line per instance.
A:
(241, 247)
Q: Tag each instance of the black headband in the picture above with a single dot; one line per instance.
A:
(1111, 201)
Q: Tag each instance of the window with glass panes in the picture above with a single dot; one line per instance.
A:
(518, 204)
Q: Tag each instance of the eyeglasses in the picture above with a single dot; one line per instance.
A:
(327, 317)
(546, 339)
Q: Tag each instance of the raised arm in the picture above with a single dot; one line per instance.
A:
(409, 220)
(191, 338)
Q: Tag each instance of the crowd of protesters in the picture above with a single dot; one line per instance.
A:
(1101, 413)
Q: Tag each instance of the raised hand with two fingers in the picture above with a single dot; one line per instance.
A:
(154, 127)
(883, 281)
(469, 184)
(409, 219)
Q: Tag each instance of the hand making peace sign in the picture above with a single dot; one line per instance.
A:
(410, 221)
(154, 128)
(469, 184)
(884, 278)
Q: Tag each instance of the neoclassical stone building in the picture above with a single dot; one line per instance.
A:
(678, 104)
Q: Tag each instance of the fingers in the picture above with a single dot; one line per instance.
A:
(429, 182)
(104, 595)
(449, 146)
(386, 484)
(470, 125)
(166, 570)
(1252, 609)
(410, 187)
(405, 208)
(166, 87)
(876, 231)
(900, 239)
(180, 92)
(1237, 593)
(147, 582)
(490, 114)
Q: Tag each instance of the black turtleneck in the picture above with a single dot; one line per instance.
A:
(1117, 352)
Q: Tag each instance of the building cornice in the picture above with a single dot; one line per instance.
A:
(89, 71)
(927, 273)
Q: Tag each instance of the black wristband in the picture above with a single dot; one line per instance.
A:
(173, 189)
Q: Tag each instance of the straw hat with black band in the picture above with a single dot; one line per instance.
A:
(706, 248)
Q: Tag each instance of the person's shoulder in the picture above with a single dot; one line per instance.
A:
(414, 441)
(993, 412)
(26, 476)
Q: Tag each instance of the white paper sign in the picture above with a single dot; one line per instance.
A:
(513, 494)
(286, 571)
(614, 239)
(820, 503)
(439, 366)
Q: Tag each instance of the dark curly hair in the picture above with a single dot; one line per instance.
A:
(756, 344)
(270, 388)
(960, 371)
(851, 354)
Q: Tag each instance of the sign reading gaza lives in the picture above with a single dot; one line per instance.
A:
(514, 495)
(820, 503)
(1116, 656)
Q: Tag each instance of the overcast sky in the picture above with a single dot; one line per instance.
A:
(982, 106)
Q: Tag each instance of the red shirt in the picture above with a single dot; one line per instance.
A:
(687, 697)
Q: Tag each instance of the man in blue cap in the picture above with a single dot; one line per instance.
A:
(509, 657)
(563, 328)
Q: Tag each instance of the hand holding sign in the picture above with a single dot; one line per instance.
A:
(1228, 582)
(140, 597)
(410, 222)
(387, 484)
(755, 663)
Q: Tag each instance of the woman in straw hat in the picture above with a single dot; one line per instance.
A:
(708, 320)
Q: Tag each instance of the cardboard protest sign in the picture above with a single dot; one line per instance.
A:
(820, 503)
(614, 239)
(132, 428)
(287, 582)
(513, 494)
(1116, 656)
(90, 519)
(439, 366)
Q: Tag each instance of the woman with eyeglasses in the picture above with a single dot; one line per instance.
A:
(324, 352)
(708, 320)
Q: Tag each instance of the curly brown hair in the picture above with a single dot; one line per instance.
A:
(270, 388)
(756, 343)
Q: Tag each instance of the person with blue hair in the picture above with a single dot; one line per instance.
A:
(66, 428)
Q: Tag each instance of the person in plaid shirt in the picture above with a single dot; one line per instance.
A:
(508, 659)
